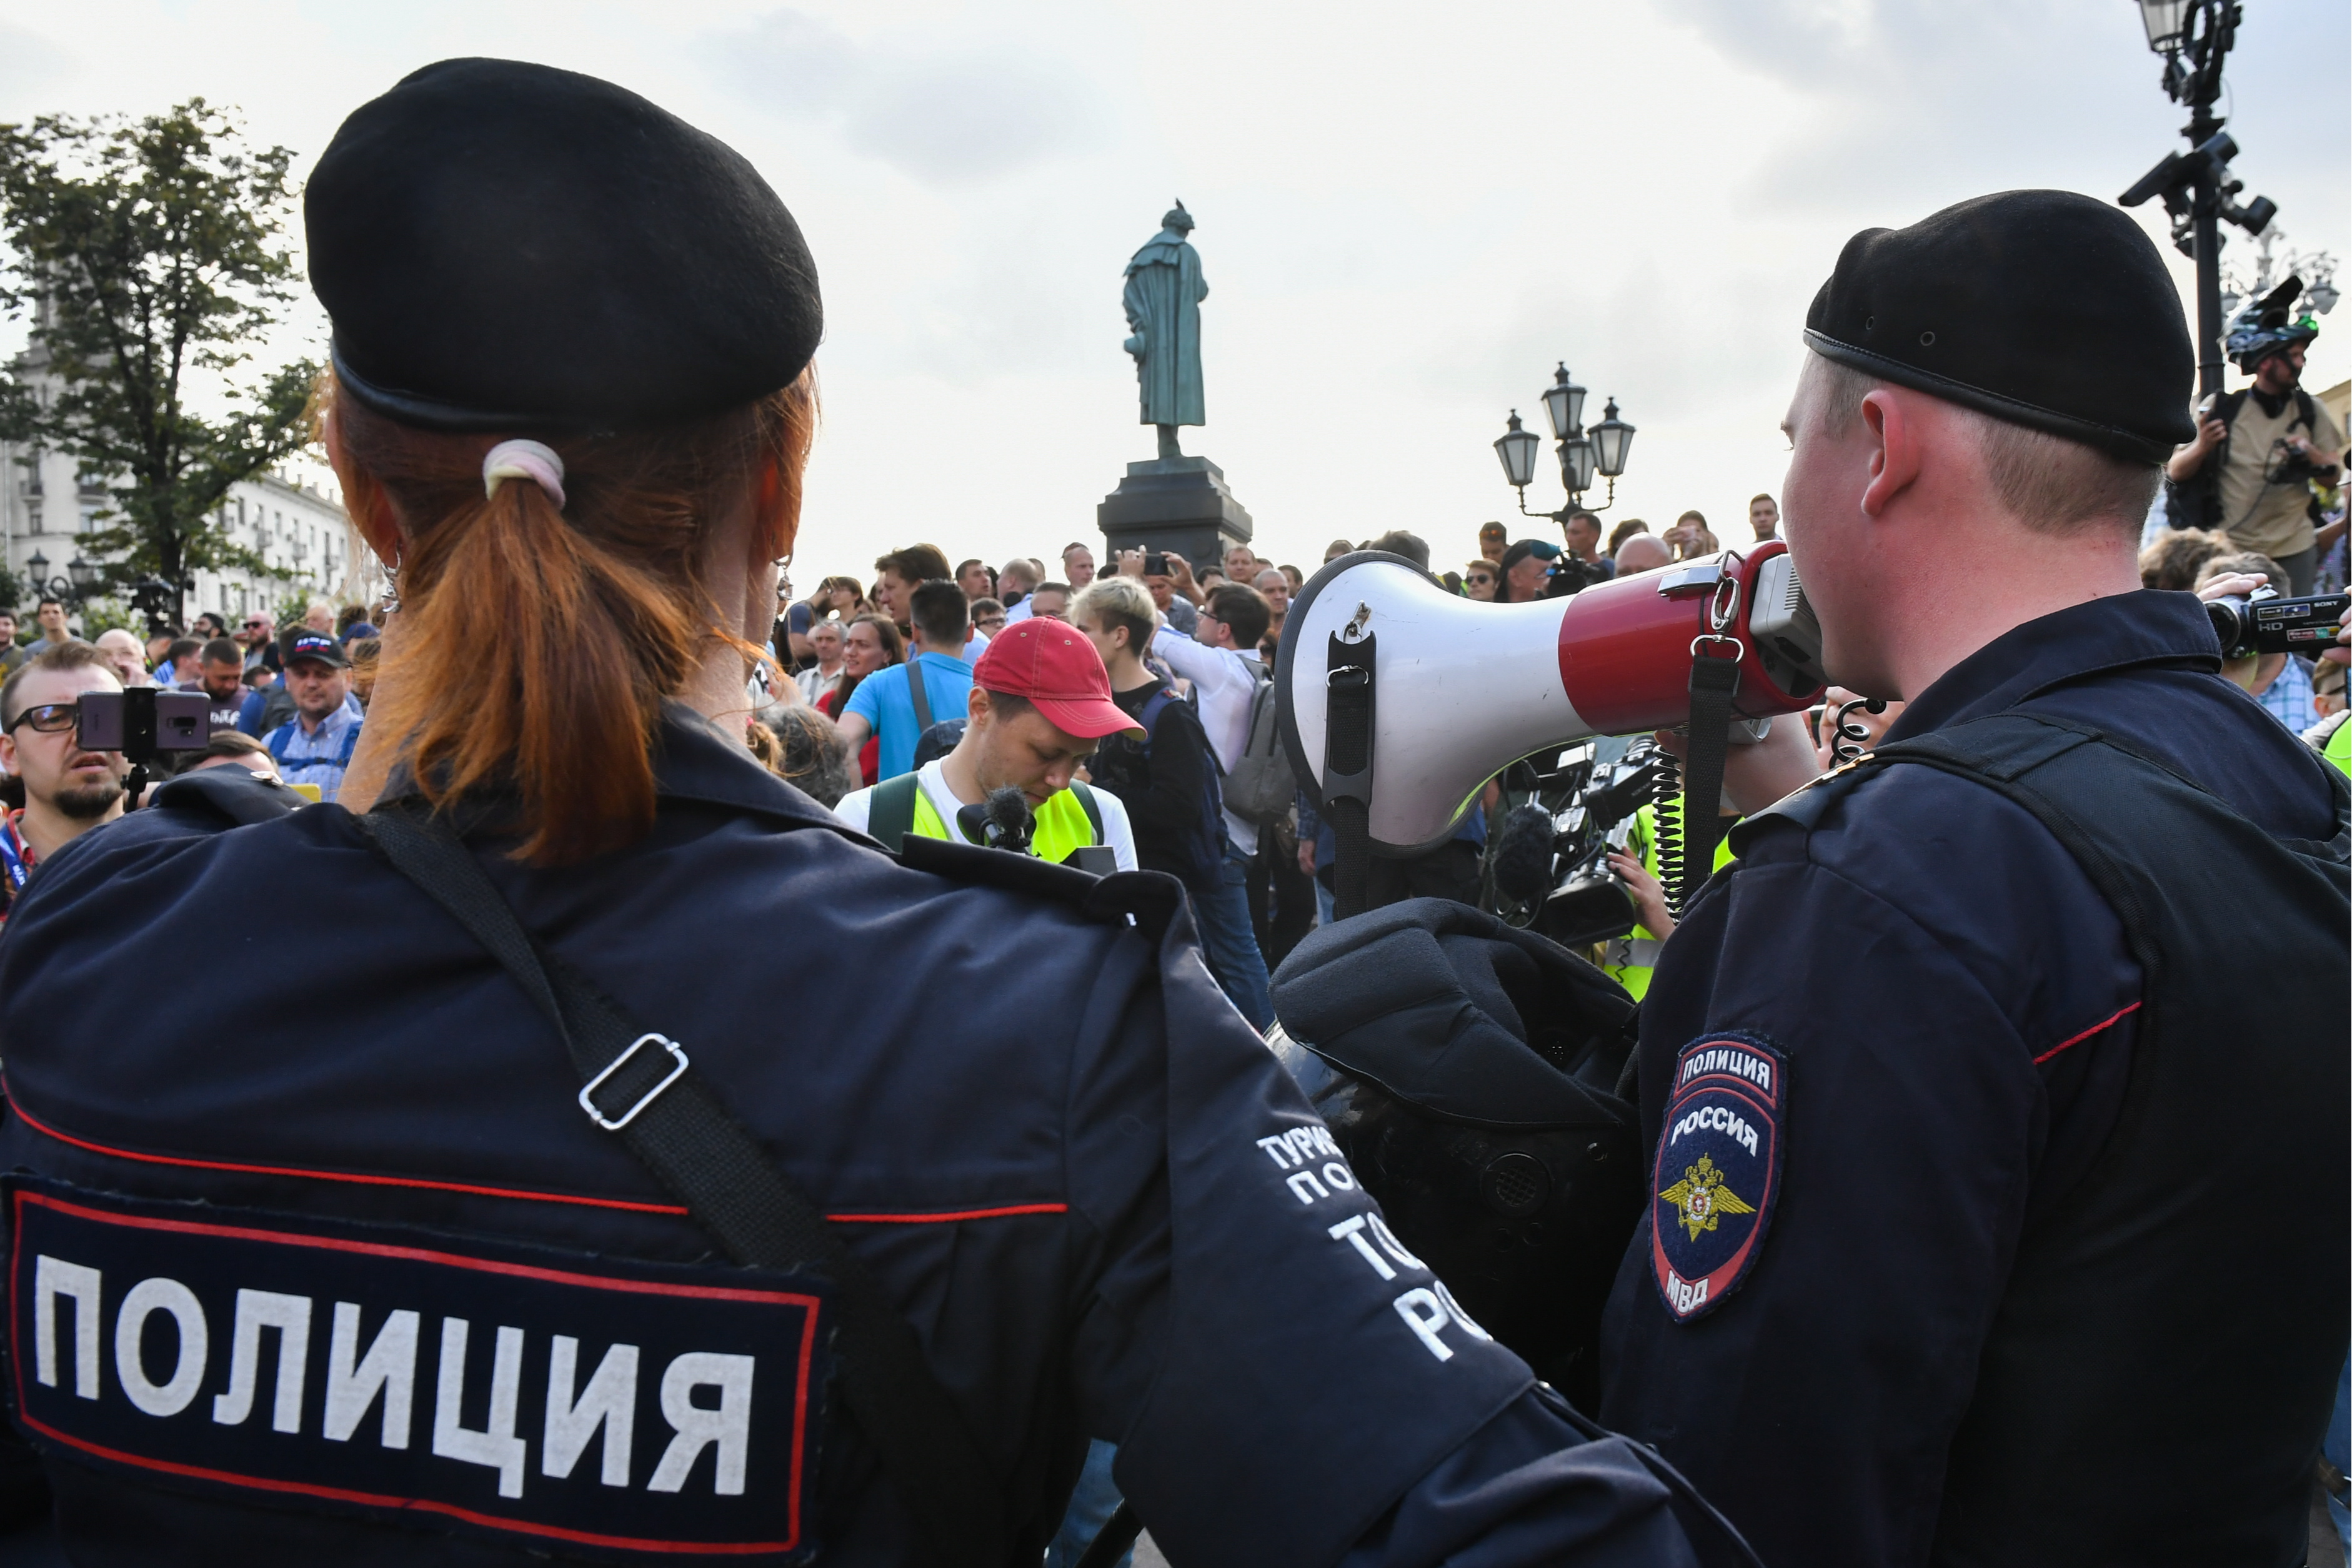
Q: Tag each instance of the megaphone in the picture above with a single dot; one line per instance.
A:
(1437, 693)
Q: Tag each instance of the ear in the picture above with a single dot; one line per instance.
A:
(1894, 437)
(768, 499)
(976, 706)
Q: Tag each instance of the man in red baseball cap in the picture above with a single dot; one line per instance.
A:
(1040, 703)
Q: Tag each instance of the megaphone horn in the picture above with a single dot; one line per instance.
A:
(1456, 690)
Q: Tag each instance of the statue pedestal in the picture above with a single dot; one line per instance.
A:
(1178, 503)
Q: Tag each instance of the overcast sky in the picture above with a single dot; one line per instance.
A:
(1407, 213)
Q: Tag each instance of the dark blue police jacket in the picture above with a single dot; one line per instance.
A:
(1903, 1040)
(294, 1280)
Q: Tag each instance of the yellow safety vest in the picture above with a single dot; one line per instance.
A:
(1065, 822)
(2339, 749)
(1628, 960)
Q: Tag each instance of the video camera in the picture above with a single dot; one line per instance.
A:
(2262, 623)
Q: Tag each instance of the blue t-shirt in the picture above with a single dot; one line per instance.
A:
(882, 701)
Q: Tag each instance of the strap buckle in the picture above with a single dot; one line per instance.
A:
(588, 1103)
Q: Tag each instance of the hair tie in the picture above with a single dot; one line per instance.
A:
(524, 460)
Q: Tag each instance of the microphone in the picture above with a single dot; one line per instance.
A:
(1002, 821)
(1523, 853)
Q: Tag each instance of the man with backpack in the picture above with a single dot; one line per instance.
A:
(2259, 449)
(1166, 776)
(1038, 705)
(1235, 693)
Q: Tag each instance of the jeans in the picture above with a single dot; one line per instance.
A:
(2338, 1447)
(1091, 1506)
(1230, 944)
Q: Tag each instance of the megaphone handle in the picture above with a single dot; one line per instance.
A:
(1348, 771)
(1714, 682)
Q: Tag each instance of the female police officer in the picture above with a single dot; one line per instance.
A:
(378, 1263)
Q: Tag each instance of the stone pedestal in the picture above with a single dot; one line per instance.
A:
(1178, 503)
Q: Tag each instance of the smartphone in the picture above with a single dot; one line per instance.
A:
(143, 721)
(1155, 564)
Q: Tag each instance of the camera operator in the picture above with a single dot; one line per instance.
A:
(591, 1256)
(67, 790)
(1526, 571)
(1966, 1243)
(1583, 531)
(2248, 468)
(2278, 681)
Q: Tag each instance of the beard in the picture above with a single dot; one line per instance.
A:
(89, 803)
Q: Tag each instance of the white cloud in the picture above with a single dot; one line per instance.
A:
(1407, 213)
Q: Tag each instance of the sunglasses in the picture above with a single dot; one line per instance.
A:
(49, 718)
(1482, 577)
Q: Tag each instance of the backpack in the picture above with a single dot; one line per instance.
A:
(1259, 788)
(1200, 853)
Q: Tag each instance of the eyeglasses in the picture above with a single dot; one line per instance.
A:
(987, 621)
(49, 718)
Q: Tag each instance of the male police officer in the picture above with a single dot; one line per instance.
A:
(435, 1243)
(1996, 1217)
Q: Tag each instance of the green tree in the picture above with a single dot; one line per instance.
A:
(151, 254)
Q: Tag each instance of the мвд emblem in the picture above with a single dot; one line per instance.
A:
(1718, 1170)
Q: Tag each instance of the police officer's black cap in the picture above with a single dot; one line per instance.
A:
(2042, 308)
(506, 247)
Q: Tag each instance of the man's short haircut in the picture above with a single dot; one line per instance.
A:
(916, 563)
(1119, 601)
(1052, 588)
(964, 566)
(58, 656)
(223, 650)
(832, 626)
(45, 601)
(2050, 483)
(1019, 567)
(1759, 496)
(233, 743)
(1625, 530)
(941, 614)
(2173, 562)
(1076, 544)
(1693, 517)
(1009, 704)
(1244, 612)
(181, 647)
(2243, 561)
(984, 605)
(1593, 517)
(1398, 541)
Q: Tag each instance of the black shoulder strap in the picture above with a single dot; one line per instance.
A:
(919, 695)
(1092, 807)
(642, 1088)
(890, 810)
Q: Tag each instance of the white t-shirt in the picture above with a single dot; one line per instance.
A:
(1119, 834)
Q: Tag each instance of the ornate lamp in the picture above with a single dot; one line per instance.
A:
(2165, 21)
(1517, 449)
(1610, 438)
(1564, 406)
(84, 574)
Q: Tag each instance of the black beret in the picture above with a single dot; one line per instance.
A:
(2042, 308)
(503, 246)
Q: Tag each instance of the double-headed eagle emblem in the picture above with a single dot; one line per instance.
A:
(1702, 1200)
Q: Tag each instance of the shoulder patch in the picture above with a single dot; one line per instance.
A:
(1717, 1173)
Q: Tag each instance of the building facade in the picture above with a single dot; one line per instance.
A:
(291, 516)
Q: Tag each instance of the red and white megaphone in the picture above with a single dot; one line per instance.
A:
(1459, 690)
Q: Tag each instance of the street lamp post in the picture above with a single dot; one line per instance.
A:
(1582, 453)
(2193, 36)
(81, 576)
